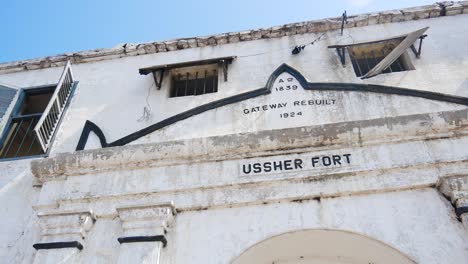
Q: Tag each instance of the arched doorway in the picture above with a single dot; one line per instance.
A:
(321, 246)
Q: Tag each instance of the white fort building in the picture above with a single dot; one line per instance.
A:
(342, 140)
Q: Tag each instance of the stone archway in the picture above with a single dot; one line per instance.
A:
(321, 246)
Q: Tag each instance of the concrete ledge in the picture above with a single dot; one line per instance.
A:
(257, 144)
(290, 189)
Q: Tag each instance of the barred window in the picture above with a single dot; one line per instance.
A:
(35, 117)
(194, 80)
(19, 138)
(382, 56)
(365, 57)
(190, 78)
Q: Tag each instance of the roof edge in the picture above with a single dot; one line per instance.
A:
(447, 8)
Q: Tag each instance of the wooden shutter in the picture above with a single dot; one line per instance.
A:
(47, 125)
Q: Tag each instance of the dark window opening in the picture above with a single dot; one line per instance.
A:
(365, 57)
(36, 100)
(194, 81)
(19, 139)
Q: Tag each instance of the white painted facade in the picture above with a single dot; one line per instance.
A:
(365, 177)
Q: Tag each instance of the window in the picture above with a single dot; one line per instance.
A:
(365, 57)
(192, 77)
(19, 139)
(194, 80)
(35, 117)
(383, 56)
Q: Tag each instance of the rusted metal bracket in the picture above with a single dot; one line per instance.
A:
(413, 48)
(344, 19)
(159, 70)
(158, 79)
(341, 53)
(224, 66)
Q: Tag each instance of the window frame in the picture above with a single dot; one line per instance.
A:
(214, 77)
(159, 71)
(407, 42)
(404, 61)
(14, 114)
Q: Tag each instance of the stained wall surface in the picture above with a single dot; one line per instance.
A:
(389, 152)
(112, 88)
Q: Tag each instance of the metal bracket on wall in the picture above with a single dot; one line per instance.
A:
(344, 20)
(158, 79)
(413, 48)
(224, 66)
(341, 53)
(159, 70)
(398, 51)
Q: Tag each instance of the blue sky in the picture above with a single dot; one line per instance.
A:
(48, 27)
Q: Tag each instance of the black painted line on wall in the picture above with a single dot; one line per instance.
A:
(461, 210)
(55, 245)
(91, 127)
(135, 239)
(382, 89)
(88, 128)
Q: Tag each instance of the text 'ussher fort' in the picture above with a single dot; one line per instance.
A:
(296, 164)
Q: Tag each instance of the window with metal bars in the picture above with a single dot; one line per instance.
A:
(196, 80)
(35, 117)
(364, 57)
(19, 139)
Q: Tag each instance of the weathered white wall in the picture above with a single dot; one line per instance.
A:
(427, 232)
(19, 224)
(333, 107)
(222, 208)
(112, 94)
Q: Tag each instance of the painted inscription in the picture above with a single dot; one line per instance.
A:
(288, 108)
(296, 164)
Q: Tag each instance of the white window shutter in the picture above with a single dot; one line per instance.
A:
(395, 53)
(46, 126)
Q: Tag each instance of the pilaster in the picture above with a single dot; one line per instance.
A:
(144, 232)
(62, 235)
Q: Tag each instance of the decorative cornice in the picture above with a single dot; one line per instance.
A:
(246, 145)
(147, 223)
(64, 229)
(328, 24)
(456, 189)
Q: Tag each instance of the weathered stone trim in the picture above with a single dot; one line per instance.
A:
(328, 24)
(456, 189)
(245, 145)
(146, 223)
(292, 188)
(64, 229)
